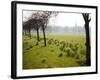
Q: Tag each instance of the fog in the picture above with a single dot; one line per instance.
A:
(62, 23)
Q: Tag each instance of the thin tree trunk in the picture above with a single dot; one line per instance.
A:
(30, 34)
(38, 36)
(44, 36)
(25, 32)
(38, 39)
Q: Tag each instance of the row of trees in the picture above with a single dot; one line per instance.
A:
(36, 21)
(59, 29)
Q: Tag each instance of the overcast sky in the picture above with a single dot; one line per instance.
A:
(67, 19)
(62, 19)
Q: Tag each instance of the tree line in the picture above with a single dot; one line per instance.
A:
(36, 21)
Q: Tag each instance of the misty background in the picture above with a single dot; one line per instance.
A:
(62, 23)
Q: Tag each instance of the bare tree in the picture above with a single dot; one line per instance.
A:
(45, 18)
(27, 27)
(37, 26)
(87, 19)
(42, 18)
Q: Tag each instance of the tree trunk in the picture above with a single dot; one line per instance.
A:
(38, 39)
(44, 36)
(25, 32)
(88, 48)
(38, 36)
(88, 56)
(30, 34)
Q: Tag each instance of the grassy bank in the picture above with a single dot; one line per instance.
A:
(62, 50)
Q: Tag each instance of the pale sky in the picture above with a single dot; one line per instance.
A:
(67, 19)
(62, 19)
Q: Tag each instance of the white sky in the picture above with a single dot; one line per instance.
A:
(67, 19)
(62, 19)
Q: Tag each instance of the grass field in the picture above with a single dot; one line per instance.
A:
(62, 50)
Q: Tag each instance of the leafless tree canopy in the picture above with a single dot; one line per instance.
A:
(38, 19)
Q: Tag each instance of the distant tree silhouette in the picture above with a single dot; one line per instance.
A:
(27, 27)
(87, 19)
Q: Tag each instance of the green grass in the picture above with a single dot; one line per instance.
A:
(53, 56)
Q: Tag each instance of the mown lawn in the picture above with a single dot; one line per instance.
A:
(62, 50)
